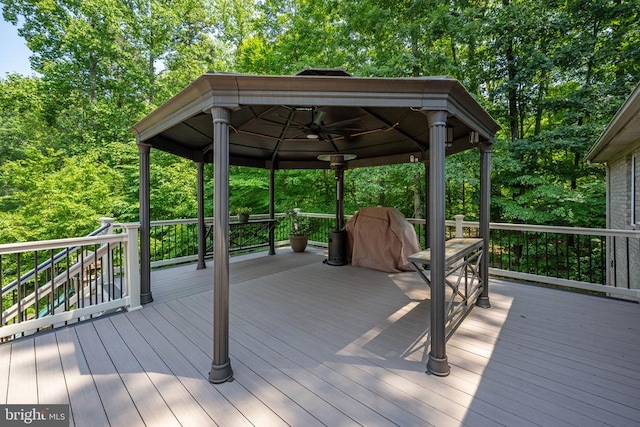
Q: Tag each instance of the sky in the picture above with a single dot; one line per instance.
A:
(14, 53)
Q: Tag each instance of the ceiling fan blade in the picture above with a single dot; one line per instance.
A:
(293, 122)
(317, 120)
(342, 123)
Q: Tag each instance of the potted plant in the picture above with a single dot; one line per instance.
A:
(243, 214)
(299, 233)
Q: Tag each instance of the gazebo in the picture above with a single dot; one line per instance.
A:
(299, 122)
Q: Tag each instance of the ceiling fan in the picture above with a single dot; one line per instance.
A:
(317, 129)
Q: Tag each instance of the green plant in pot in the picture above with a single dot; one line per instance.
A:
(299, 233)
(243, 214)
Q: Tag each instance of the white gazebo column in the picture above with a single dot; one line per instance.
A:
(145, 224)
(202, 231)
(437, 363)
(485, 203)
(221, 365)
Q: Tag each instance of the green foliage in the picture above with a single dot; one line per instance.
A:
(241, 211)
(249, 187)
(311, 191)
(551, 73)
(299, 224)
(391, 186)
(66, 196)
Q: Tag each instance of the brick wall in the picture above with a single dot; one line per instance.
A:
(625, 252)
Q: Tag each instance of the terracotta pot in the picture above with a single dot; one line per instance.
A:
(298, 243)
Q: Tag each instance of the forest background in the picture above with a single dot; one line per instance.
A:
(552, 73)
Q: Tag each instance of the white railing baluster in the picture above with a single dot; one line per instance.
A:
(133, 268)
(56, 316)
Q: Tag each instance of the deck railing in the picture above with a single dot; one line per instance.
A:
(566, 257)
(560, 256)
(50, 283)
(55, 282)
(176, 241)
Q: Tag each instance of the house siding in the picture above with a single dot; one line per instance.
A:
(623, 268)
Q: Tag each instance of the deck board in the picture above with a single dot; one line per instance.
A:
(84, 399)
(312, 344)
(298, 395)
(119, 407)
(241, 398)
(49, 372)
(149, 403)
(433, 395)
(23, 387)
(5, 361)
(186, 410)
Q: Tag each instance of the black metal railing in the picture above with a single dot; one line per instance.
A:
(571, 257)
(42, 279)
(547, 254)
(174, 242)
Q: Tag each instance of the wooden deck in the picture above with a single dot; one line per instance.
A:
(313, 344)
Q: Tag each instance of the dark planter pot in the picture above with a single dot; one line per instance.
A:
(243, 218)
(298, 243)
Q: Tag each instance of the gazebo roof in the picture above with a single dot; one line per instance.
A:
(285, 122)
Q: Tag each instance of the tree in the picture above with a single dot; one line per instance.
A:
(66, 196)
(551, 73)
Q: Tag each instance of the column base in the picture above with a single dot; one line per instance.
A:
(483, 302)
(146, 298)
(221, 373)
(438, 367)
(201, 265)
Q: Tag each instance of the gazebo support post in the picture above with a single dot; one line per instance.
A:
(202, 230)
(272, 209)
(426, 207)
(485, 200)
(145, 224)
(221, 365)
(437, 363)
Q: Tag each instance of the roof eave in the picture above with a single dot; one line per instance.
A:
(601, 150)
(233, 90)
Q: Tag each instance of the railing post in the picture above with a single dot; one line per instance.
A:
(109, 264)
(105, 220)
(132, 268)
(459, 218)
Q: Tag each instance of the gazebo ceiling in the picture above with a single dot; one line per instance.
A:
(286, 122)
